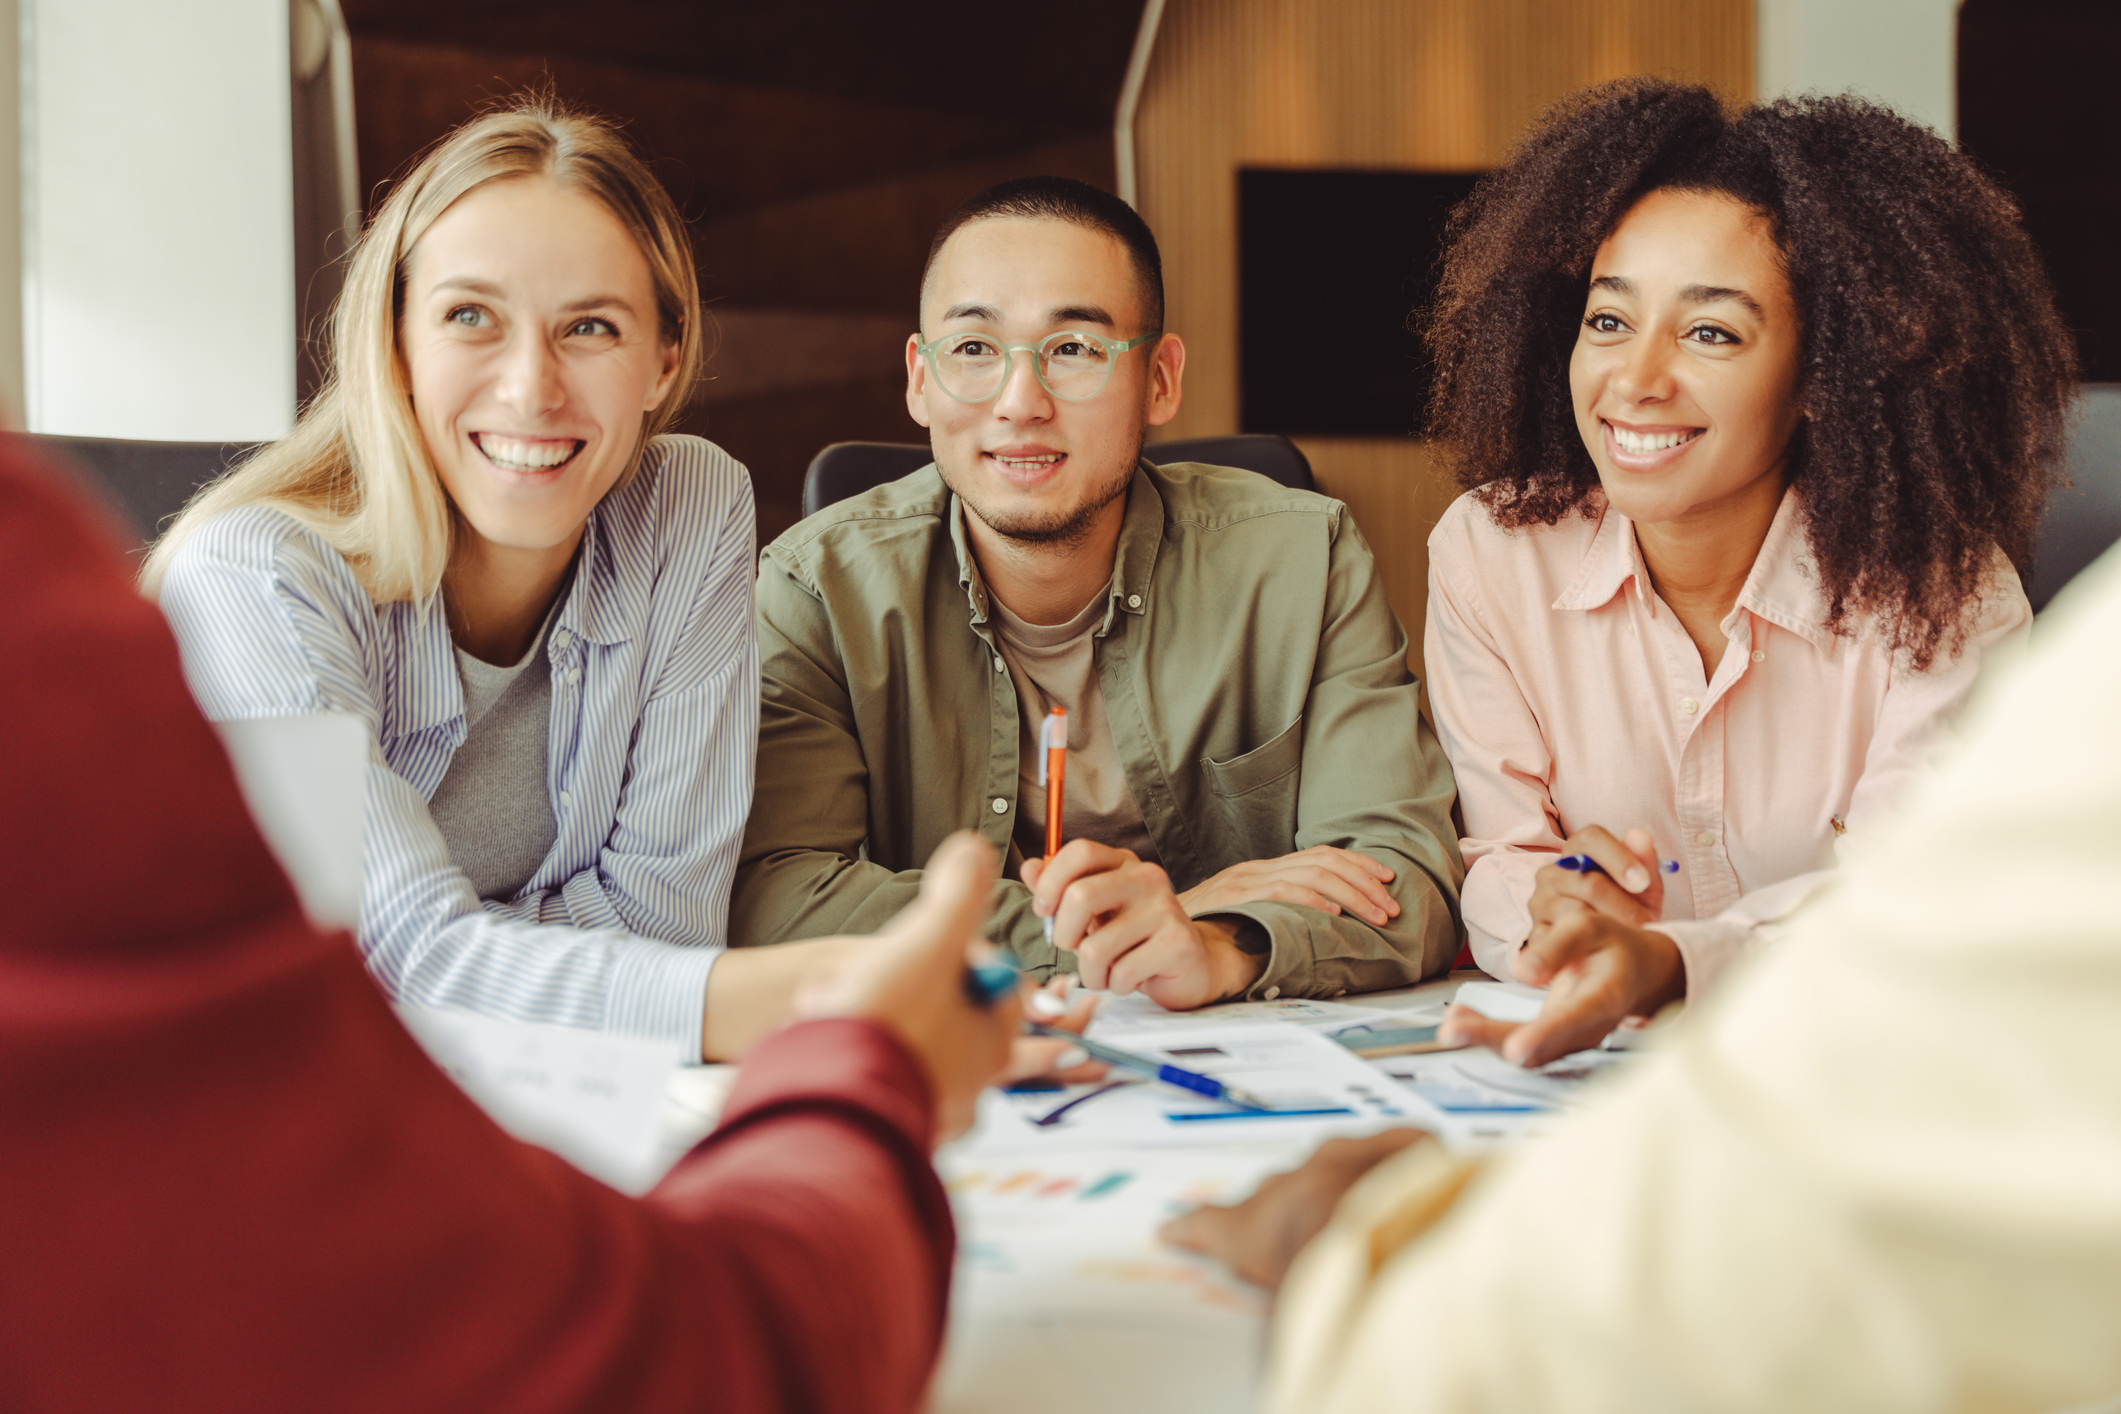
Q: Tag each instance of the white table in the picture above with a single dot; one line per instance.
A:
(1087, 1311)
(1091, 1312)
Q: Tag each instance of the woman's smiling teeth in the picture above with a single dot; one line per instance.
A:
(526, 453)
(1643, 443)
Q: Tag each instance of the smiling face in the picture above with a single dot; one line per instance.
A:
(1028, 466)
(532, 345)
(1685, 370)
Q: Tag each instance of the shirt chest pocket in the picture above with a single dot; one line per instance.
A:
(1257, 791)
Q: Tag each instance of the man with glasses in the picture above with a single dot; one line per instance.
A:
(1253, 805)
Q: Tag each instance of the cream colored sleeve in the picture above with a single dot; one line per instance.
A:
(1881, 1171)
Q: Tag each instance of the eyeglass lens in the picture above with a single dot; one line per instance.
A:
(973, 366)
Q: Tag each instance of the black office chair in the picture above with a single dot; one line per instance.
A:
(849, 468)
(2084, 521)
(144, 483)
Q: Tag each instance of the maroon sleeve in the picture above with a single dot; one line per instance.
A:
(818, 1196)
(230, 1181)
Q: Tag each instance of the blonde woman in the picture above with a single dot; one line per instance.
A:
(477, 540)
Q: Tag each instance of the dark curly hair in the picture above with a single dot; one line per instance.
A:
(1935, 374)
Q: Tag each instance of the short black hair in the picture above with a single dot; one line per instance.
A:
(1066, 199)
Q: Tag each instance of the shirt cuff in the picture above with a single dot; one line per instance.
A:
(660, 990)
(1707, 946)
(1283, 970)
(1494, 955)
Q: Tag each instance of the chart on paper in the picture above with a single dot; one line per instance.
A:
(1122, 1019)
(1313, 1086)
(1475, 1096)
(1075, 1233)
(1065, 1300)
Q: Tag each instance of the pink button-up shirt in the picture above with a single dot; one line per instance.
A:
(1567, 694)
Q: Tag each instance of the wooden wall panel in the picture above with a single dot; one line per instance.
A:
(1417, 85)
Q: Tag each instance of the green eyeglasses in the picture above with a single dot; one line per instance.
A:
(1071, 365)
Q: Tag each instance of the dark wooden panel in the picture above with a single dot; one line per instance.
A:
(863, 248)
(777, 434)
(720, 148)
(1059, 67)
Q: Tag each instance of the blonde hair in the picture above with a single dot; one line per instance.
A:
(356, 469)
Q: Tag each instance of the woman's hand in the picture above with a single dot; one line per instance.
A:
(1598, 972)
(1258, 1238)
(1631, 890)
(1324, 877)
(910, 977)
(1591, 952)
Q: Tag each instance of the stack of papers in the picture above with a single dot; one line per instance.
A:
(1316, 1089)
(1283, 1052)
(596, 1100)
(1065, 1300)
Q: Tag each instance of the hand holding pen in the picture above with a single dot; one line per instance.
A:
(1590, 947)
(1622, 878)
(1053, 775)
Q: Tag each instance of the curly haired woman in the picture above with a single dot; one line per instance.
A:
(1757, 410)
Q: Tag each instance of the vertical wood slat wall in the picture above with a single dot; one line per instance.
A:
(1414, 85)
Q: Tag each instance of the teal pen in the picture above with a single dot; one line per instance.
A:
(1156, 1070)
(988, 982)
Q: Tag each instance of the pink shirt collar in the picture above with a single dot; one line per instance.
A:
(1783, 588)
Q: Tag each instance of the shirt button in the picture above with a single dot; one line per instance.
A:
(1001, 806)
(566, 800)
(1704, 838)
(999, 665)
(1134, 601)
(574, 675)
(1689, 706)
(1271, 993)
(1759, 656)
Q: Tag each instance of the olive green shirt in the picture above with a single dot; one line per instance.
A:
(1255, 681)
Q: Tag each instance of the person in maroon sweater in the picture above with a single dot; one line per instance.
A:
(229, 1179)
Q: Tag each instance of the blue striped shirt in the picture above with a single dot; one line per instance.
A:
(654, 725)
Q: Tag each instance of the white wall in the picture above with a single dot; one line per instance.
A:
(157, 219)
(1900, 52)
(10, 221)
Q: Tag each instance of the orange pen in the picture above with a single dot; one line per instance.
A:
(1053, 775)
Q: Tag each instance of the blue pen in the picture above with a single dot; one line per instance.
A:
(1584, 864)
(1156, 1070)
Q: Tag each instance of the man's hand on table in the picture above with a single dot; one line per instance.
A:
(1258, 1238)
(1601, 967)
(1130, 933)
(1324, 877)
